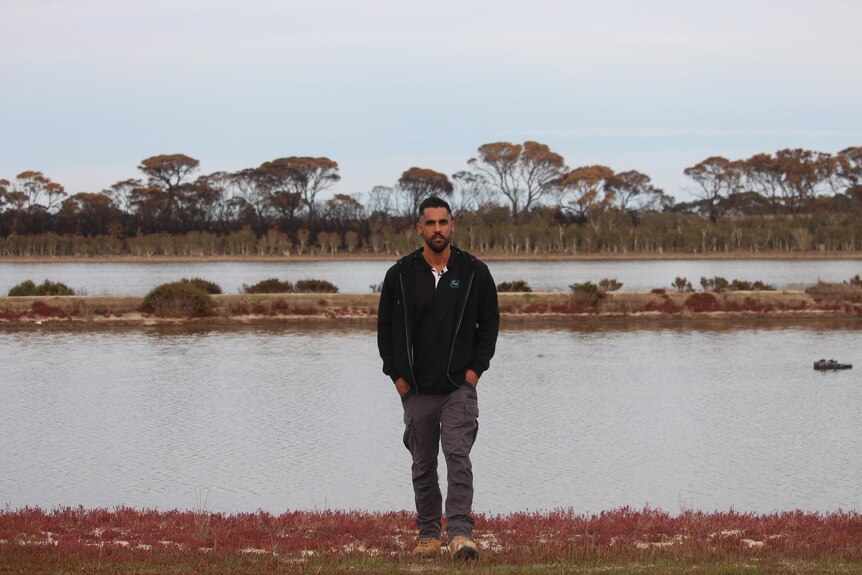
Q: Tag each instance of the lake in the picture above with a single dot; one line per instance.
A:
(358, 276)
(285, 418)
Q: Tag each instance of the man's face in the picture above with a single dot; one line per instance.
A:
(436, 228)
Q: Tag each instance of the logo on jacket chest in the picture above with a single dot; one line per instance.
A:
(454, 284)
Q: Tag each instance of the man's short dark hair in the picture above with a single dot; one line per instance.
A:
(434, 202)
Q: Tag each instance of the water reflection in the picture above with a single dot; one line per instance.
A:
(276, 418)
(358, 276)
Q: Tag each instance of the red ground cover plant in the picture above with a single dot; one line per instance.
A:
(665, 306)
(124, 539)
(536, 308)
(568, 308)
(701, 302)
(41, 309)
(10, 314)
(304, 310)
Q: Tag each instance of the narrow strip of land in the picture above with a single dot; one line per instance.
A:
(516, 309)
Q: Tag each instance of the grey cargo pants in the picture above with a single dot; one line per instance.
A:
(450, 420)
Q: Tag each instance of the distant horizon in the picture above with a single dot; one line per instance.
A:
(382, 86)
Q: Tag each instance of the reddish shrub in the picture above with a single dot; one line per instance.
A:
(665, 306)
(752, 304)
(240, 309)
(42, 309)
(701, 302)
(259, 309)
(10, 314)
(305, 310)
(536, 308)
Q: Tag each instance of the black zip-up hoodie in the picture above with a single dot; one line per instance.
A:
(476, 323)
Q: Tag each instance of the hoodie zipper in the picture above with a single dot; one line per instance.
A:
(458, 326)
(407, 333)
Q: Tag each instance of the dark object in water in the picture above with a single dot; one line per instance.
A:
(826, 365)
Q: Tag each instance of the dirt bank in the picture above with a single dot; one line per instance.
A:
(516, 309)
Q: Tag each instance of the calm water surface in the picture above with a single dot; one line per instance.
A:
(358, 276)
(303, 419)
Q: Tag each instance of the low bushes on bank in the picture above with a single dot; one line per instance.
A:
(516, 286)
(275, 285)
(314, 286)
(849, 291)
(178, 299)
(586, 293)
(46, 288)
(271, 285)
(207, 286)
(720, 284)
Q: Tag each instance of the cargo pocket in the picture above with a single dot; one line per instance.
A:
(408, 432)
(470, 427)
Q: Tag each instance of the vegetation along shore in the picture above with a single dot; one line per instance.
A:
(516, 308)
(125, 540)
(510, 198)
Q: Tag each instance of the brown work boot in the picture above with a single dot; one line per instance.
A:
(427, 548)
(463, 549)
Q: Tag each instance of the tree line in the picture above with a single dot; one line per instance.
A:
(511, 198)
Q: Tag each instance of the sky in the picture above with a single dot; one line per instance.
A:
(92, 87)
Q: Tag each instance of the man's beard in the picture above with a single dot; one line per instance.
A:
(438, 249)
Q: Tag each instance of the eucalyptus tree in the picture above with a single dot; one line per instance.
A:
(521, 173)
(167, 181)
(39, 191)
(418, 183)
(300, 177)
(472, 192)
(584, 190)
(848, 171)
(716, 177)
(633, 193)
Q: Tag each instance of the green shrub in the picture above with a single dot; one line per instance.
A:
(719, 284)
(742, 285)
(178, 299)
(271, 285)
(376, 288)
(514, 286)
(314, 286)
(716, 284)
(207, 286)
(606, 285)
(47, 287)
(682, 284)
(586, 293)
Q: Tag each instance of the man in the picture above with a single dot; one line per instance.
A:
(437, 329)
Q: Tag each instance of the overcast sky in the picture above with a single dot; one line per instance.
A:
(91, 87)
